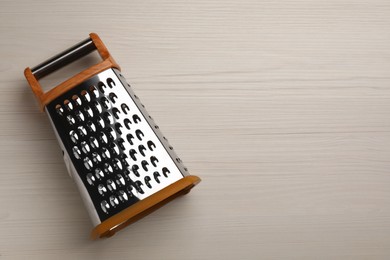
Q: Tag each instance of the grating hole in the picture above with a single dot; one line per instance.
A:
(73, 136)
(127, 123)
(147, 180)
(100, 122)
(85, 147)
(154, 160)
(86, 96)
(101, 87)
(114, 201)
(165, 171)
(76, 152)
(145, 165)
(103, 137)
(136, 119)
(70, 119)
(142, 149)
(105, 153)
(76, 100)
(105, 103)
(139, 134)
(126, 173)
(120, 181)
(125, 108)
(135, 169)
(105, 206)
(80, 116)
(116, 112)
(111, 185)
(107, 168)
(156, 176)
(113, 97)
(118, 128)
(151, 145)
(108, 118)
(99, 174)
(110, 133)
(117, 164)
(130, 138)
(96, 157)
(170, 147)
(101, 189)
(156, 126)
(97, 107)
(132, 154)
(178, 160)
(125, 160)
(121, 143)
(129, 190)
(90, 179)
(114, 148)
(110, 82)
(59, 109)
(82, 130)
(68, 104)
(88, 111)
(93, 142)
(91, 126)
(138, 187)
(87, 163)
(122, 196)
(94, 91)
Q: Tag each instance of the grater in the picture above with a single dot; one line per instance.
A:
(122, 165)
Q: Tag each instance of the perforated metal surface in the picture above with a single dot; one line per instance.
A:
(115, 147)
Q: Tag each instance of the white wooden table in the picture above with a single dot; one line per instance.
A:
(281, 107)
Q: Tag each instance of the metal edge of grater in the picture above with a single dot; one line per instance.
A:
(123, 166)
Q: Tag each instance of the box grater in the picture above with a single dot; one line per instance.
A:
(122, 164)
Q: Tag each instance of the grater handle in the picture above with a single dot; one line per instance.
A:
(64, 58)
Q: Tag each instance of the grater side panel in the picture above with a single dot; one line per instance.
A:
(114, 150)
(76, 178)
(168, 147)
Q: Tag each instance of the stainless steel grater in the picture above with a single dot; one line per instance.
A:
(120, 161)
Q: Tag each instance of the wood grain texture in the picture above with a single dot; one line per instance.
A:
(281, 107)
